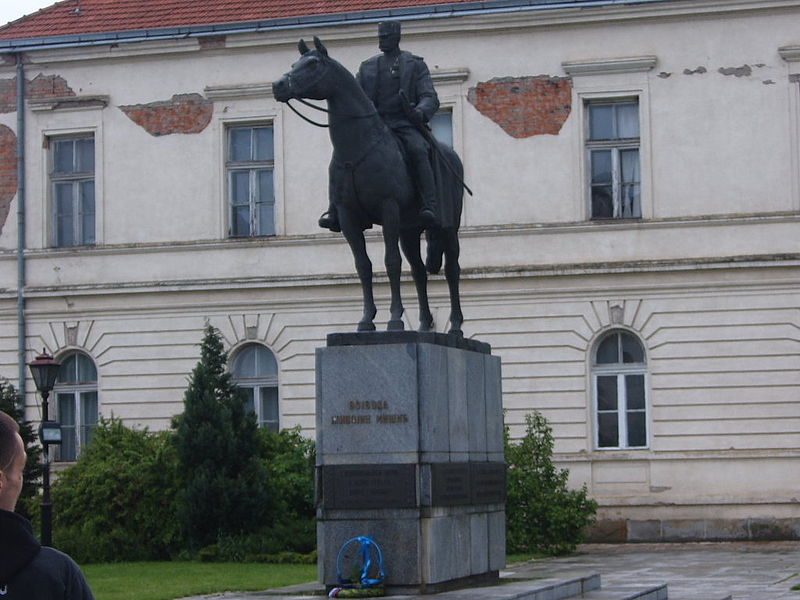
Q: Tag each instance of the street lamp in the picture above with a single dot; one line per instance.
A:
(45, 372)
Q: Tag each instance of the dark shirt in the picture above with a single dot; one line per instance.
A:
(30, 572)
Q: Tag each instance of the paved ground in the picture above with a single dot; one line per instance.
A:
(703, 571)
(746, 571)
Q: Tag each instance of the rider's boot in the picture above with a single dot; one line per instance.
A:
(427, 192)
(330, 219)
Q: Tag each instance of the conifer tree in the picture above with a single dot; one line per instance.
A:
(9, 404)
(226, 486)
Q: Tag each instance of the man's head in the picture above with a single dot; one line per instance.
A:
(389, 36)
(12, 462)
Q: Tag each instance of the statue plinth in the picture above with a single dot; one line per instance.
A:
(410, 453)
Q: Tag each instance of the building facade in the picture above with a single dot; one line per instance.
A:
(630, 251)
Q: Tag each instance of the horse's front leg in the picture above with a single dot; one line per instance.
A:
(391, 239)
(355, 238)
(409, 242)
(452, 272)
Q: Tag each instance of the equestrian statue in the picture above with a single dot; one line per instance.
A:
(387, 168)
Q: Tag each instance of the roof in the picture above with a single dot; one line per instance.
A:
(76, 21)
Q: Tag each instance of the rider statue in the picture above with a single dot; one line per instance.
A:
(399, 85)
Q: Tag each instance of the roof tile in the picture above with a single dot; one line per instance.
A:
(72, 17)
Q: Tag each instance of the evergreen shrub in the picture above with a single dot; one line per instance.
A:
(542, 514)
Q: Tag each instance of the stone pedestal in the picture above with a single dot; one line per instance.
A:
(410, 453)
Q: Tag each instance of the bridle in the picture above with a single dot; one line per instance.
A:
(320, 108)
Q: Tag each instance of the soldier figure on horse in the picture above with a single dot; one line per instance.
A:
(399, 85)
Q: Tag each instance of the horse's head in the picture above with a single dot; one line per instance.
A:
(307, 79)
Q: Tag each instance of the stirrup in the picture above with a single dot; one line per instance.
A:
(327, 221)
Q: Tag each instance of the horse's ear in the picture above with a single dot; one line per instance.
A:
(320, 46)
(301, 46)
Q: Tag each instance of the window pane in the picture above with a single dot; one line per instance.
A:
(637, 429)
(87, 211)
(600, 122)
(602, 202)
(607, 393)
(266, 204)
(240, 187)
(608, 430)
(264, 143)
(601, 166)
(632, 351)
(631, 206)
(627, 120)
(269, 408)
(634, 392)
(86, 371)
(249, 403)
(442, 127)
(241, 220)
(608, 350)
(63, 156)
(241, 144)
(68, 372)
(244, 366)
(266, 365)
(84, 149)
(629, 160)
(88, 416)
(66, 417)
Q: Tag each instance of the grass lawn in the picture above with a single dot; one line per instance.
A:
(169, 580)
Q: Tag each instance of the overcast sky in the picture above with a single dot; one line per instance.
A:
(11, 10)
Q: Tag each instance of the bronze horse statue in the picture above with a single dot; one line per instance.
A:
(369, 183)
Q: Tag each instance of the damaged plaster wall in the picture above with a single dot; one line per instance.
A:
(40, 87)
(8, 172)
(525, 106)
(183, 113)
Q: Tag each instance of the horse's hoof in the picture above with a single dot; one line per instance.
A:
(426, 325)
(395, 325)
(366, 326)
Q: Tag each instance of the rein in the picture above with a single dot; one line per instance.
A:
(325, 110)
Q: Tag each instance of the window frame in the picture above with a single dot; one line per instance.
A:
(620, 371)
(252, 167)
(258, 383)
(76, 390)
(76, 179)
(616, 146)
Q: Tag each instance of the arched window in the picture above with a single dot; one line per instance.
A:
(76, 404)
(618, 374)
(255, 370)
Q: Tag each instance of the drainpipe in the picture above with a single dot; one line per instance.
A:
(21, 338)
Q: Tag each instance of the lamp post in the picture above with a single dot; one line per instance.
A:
(45, 372)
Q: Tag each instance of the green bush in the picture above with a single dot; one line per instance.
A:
(542, 513)
(118, 502)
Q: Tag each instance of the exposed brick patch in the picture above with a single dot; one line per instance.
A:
(184, 113)
(41, 87)
(525, 106)
(8, 59)
(8, 172)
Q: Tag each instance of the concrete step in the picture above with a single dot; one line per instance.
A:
(529, 589)
(628, 592)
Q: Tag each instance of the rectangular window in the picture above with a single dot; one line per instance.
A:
(249, 164)
(621, 411)
(441, 125)
(72, 188)
(77, 414)
(612, 144)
